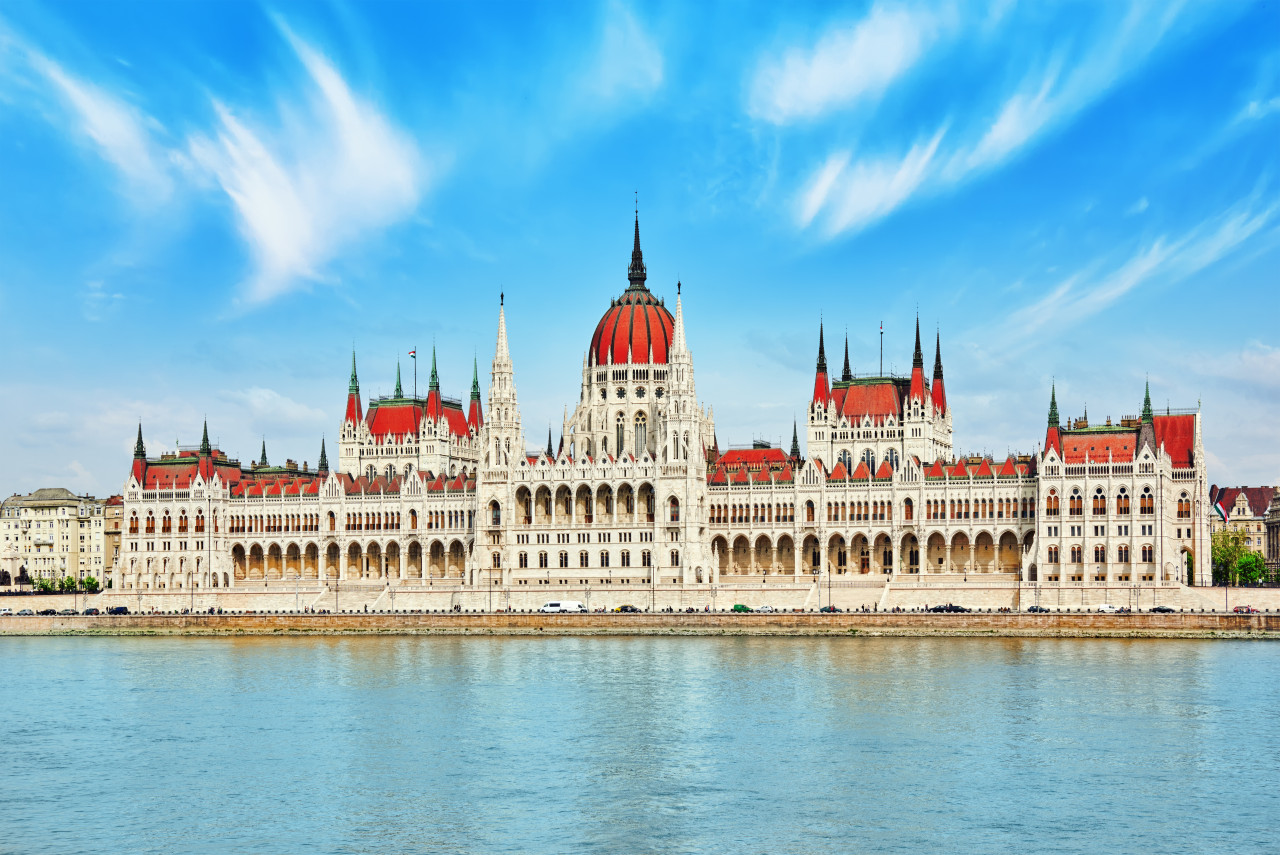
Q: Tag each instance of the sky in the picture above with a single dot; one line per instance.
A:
(204, 207)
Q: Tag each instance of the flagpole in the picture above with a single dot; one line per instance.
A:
(415, 372)
(882, 348)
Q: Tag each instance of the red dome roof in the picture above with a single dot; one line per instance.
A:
(634, 323)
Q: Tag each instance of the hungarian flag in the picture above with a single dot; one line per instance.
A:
(1222, 512)
(413, 354)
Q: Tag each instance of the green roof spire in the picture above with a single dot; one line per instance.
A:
(354, 387)
(263, 461)
(324, 458)
(822, 352)
(435, 378)
(399, 391)
(1147, 414)
(204, 441)
(475, 380)
(847, 375)
(795, 441)
(139, 450)
(1054, 420)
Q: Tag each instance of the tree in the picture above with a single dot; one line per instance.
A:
(1228, 545)
(67, 585)
(44, 586)
(90, 584)
(1250, 569)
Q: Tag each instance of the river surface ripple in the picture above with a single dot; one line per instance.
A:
(735, 745)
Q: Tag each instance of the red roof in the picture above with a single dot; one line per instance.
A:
(939, 394)
(755, 458)
(862, 472)
(959, 470)
(405, 418)
(877, 400)
(918, 387)
(742, 477)
(1258, 498)
(935, 470)
(984, 471)
(821, 388)
(840, 473)
(635, 324)
(1120, 445)
(885, 471)
(353, 409)
(1178, 436)
(1008, 468)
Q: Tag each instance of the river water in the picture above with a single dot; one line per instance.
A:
(734, 745)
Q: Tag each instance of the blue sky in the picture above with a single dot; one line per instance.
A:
(204, 206)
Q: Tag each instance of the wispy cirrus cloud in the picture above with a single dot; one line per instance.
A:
(122, 133)
(303, 192)
(629, 61)
(1164, 261)
(1047, 95)
(848, 63)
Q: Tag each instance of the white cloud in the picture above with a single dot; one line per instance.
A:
(1044, 99)
(847, 64)
(267, 408)
(859, 193)
(118, 129)
(339, 172)
(1165, 260)
(1260, 109)
(1138, 207)
(629, 61)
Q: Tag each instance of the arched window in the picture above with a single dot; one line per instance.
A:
(620, 431)
(869, 458)
(1053, 555)
(1077, 555)
(166, 525)
(1122, 503)
(604, 558)
(808, 511)
(1100, 554)
(1099, 503)
(133, 523)
(182, 523)
(892, 457)
(1077, 503)
(542, 560)
(1148, 554)
(495, 513)
(583, 559)
(675, 509)
(413, 519)
(675, 558)
(523, 560)
(642, 434)
(1184, 507)
(1122, 553)
(199, 522)
(497, 560)
(333, 521)
(1146, 502)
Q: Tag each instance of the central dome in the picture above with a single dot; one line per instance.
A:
(636, 325)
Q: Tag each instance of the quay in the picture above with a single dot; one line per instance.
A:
(859, 624)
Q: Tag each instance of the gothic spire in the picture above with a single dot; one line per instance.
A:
(501, 351)
(550, 452)
(354, 387)
(204, 440)
(1054, 421)
(399, 390)
(822, 352)
(677, 335)
(435, 378)
(139, 450)
(918, 360)
(263, 461)
(475, 380)
(795, 441)
(324, 459)
(937, 360)
(636, 272)
(1147, 414)
(847, 375)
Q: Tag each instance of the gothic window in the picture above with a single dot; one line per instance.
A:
(1077, 555)
(1122, 553)
(497, 560)
(1053, 555)
(620, 393)
(1148, 554)
(582, 559)
(604, 558)
(893, 459)
(626, 558)
(641, 434)
(675, 509)
(1146, 502)
(1122, 503)
(640, 393)
(542, 560)
(808, 511)
(675, 558)
(847, 459)
(658, 393)
(495, 511)
(524, 560)
(869, 458)
(1077, 503)
(1100, 554)
(564, 559)
(646, 559)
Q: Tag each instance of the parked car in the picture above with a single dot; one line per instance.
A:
(830, 609)
(948, 608)
(25, 613)
(765, 609)
(628, 609)
(1107, 608)
(67, 612)
(739, 607)
(1245, 610)
(563, 606)
(118, 610)
(1038, 609)
(1162, 610)
(91, 611)
(47, 612)
(6, 612)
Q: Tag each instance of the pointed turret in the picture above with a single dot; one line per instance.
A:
(550, 451)
(1053, 435)
(636, 272)
(323, 467)
(1147, 414)
(847, 374)
(677, 334)
(939, 391)
(475, 415)
(354, 412)
(139, 469)
(204, 440)
(917, 370)
(821, 388)
(434, 385)
(399, 390)
(795, 442)
(263, 461)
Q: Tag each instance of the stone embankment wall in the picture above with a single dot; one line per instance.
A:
(1189, 625)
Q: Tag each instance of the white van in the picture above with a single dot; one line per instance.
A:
(569, 606)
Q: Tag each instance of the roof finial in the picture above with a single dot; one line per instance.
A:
(324, 458)
(263, 461)
(354, 387)
(822, 351)
(475, 379)
(435, 378)
(848, 374)
(1053, 405)
(636, 273)
(399, 390)
(917, 361)
(1147, 414)
(204, 440)
(139, 450)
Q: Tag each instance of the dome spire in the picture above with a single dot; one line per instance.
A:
(636, 272)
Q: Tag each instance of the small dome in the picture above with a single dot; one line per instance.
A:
(634, 323)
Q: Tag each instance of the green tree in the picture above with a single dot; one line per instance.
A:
(67, 585)
(1250, 569)
(90, 584)
(1228, 545)
(44, 586)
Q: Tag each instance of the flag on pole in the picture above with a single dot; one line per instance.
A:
(413, 354)
(1222, 512)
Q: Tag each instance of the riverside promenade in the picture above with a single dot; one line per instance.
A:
(1058, 625)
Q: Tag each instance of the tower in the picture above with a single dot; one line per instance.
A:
(503, 436)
